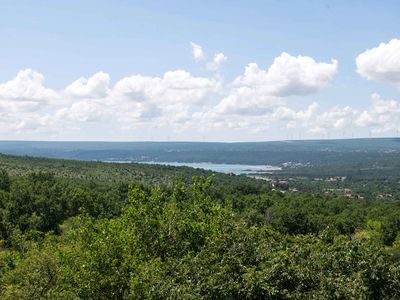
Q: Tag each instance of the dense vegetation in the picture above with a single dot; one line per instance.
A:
(376, 178)
(91, 230)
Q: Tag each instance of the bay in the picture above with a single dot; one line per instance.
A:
(236, 169)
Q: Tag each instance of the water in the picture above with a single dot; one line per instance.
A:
(222, 168)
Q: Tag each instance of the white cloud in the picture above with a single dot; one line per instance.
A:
(337, 118)
(294, 118)
(138, 98)
(175, 101)
(27, 85)
(382, 115)
(94, 87)
(290, 75)
(258, 92)
(381, 63)
(179, 101)
(32, 122)
(215, 64)
(23, 103)
(174, 87)
(170, 99)
(313, 121)
(82, 111)
(246, 101)
(197, 51)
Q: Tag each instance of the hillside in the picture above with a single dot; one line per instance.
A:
(272, 153)
(76, 229)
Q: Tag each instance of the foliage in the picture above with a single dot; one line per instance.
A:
(200, 237)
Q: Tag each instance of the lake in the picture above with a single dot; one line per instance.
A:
(222, 168)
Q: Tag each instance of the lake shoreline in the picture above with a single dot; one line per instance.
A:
(237, 169)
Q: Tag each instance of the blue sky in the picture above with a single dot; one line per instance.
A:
(54, 43)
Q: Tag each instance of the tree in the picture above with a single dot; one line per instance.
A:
(4, 181)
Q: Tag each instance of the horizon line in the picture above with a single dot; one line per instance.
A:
(197, 141)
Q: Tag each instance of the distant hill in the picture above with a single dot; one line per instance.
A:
(313, 151)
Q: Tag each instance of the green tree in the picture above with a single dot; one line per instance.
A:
(4, 181)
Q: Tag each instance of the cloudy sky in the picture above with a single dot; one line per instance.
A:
(199, 71)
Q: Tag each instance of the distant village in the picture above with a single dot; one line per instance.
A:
(288, 184)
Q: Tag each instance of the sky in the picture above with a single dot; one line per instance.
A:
(199, 70)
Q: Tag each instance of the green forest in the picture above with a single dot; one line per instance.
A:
(92, 230)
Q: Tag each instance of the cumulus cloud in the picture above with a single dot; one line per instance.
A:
(380, 117)
(296, 118)
(137, 99)
(215, 64)
(175, 100)
(383, 115)
(170, 99)
(23, 103)
(314, 121)
(258, 92)
(179, 101)
(32, 122)
(96, 86)
(246, 101)
(25, 92)
(199, 55)
(197, 51)
(82, 111)
(381, 63)
(290, 75)
(174, 87)
(337, 118)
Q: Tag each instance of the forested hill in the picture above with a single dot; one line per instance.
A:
(91, 230)
(94, 170)
(313, 151)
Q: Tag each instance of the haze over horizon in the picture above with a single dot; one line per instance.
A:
(179, 71)
(201, 141)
